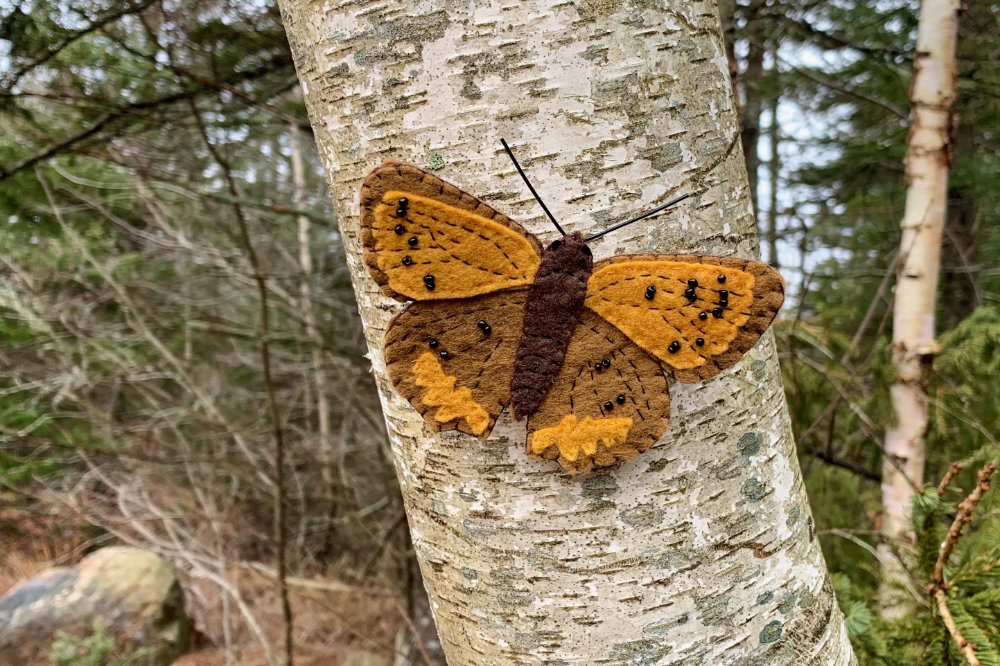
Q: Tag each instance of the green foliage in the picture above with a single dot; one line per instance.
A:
(975, 628)
(967, 409)
(972, 575)
(837, 368)
(928, 514)
(97, 649)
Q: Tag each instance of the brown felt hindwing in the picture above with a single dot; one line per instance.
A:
(596, 417)
(427, 240)
(697, 314)
(454, 359)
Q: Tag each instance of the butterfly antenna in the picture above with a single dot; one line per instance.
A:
(638, 217)
(530, 187)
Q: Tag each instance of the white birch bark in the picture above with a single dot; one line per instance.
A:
(700, 551)
(932, 92)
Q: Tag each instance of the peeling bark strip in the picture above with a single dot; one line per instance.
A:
(614, 107)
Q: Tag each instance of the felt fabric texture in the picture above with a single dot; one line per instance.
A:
(667, 323)
(579, 349)
(453, 403)
(429, 250)
(573, 436)
(481, 362)
(554, 304)
(464, 244)
(631, 386)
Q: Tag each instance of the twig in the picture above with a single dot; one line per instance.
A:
(964, 645)
(264, 348)
(956, 467)
(938, 586)
(421, 648)
(882, 559)
(963, 517)
(847, 464)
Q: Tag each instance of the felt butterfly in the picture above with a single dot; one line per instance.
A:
(577, 348)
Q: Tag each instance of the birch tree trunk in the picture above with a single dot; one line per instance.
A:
(932, 92)
(700, 551)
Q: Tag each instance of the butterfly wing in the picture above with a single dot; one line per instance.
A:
(697, 314)
(454, 359)
(594, 417)
(451, 354)
(425, 239)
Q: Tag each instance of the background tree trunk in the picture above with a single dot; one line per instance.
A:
(932, 93)
(702, 550)
(752, 81)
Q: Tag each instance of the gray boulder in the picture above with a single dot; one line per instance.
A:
(117, 604)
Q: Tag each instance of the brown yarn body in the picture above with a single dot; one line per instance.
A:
(553, 310)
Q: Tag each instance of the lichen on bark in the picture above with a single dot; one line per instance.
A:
(700, 551)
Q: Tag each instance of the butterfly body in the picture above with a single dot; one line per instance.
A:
(555, 301)
(580, 349)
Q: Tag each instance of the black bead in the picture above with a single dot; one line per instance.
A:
(434, 343)
(608, 406)
(400, 212)
(400, 229)
(403, 202)
(407, 261)
(606, 363)
(412, 241)
(717, 313)
(650, 292)
(724, 302)
(691, 296)
(674, 347)
(700, 342)
(620, 399)
(598, 367)
(721, 278)
(444, 354)
(692, 283)
(487, 330)
(703, 316)
(482, 323)
(723, 293)
(429, 282)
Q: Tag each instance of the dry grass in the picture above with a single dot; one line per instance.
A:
(32, 541)
(334, 619)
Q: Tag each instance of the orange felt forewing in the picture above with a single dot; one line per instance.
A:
(426, 240)
(698, 315)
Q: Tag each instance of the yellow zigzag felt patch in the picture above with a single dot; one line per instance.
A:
(573, 435)
(441, 393)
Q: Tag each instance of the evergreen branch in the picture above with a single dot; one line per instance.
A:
(967, 648)
(963, 517)
(938, 586)
(59, 47)
(119, 112)
(956, 467)
(815, 77)
(829, 40)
